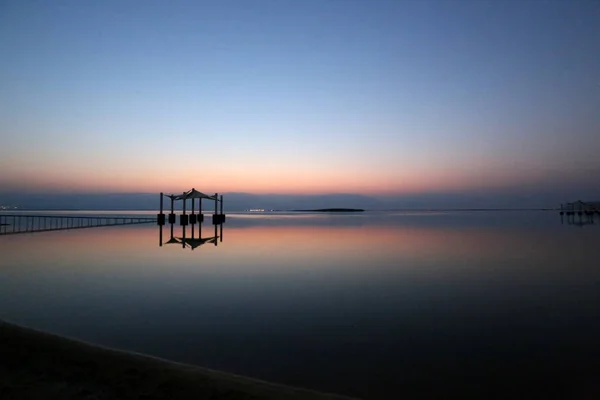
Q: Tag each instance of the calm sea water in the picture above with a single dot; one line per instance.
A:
(370, 304)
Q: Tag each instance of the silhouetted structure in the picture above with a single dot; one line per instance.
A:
(579, 213)
(580, 208)
(191, 219)
(193, 241)
(18, 223)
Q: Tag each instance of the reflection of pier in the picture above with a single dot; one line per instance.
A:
(194, 240)
(13, 223)
(578, 219)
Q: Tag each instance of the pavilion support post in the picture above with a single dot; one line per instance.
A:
(222, 216)
(184, 218)
(161, 215)
(193, 215)
(215, 218)
(172, 215)
(200, 215)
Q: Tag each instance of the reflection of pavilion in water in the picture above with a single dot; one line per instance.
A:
(578, 219)
(192, 219)
(195, 239)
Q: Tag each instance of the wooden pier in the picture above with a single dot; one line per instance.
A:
(23, 223)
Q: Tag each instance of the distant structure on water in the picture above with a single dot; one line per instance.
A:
(580, 213)
(580, 208)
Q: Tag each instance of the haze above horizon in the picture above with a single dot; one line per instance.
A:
(380, 98)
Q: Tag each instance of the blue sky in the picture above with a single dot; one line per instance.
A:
(331, 96)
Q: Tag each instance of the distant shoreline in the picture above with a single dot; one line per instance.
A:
(332, 210)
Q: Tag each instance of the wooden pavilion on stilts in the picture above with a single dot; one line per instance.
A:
(192, 218)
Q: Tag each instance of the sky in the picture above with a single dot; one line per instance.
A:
(300, 97)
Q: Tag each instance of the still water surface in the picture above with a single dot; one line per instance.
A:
(369, 304)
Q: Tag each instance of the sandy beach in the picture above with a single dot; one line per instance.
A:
(38, 365)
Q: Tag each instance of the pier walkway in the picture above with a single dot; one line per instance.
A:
(14, 223)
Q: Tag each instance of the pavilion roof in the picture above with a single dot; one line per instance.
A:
(193, 242)
(191, 194)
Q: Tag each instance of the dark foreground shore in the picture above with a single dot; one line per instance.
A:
(37, 365)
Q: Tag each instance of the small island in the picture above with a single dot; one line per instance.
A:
(332, 210)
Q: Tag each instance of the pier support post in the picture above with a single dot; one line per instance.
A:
(222, 217)
(161, 217)
(184, 218)
(172, 215)
(215, 217)
(218, 217)
(216, 241)
(193, 216)
(200, 215)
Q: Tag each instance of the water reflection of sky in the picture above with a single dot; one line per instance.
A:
(372, 302)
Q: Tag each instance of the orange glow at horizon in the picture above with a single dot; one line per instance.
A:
(300, 181)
